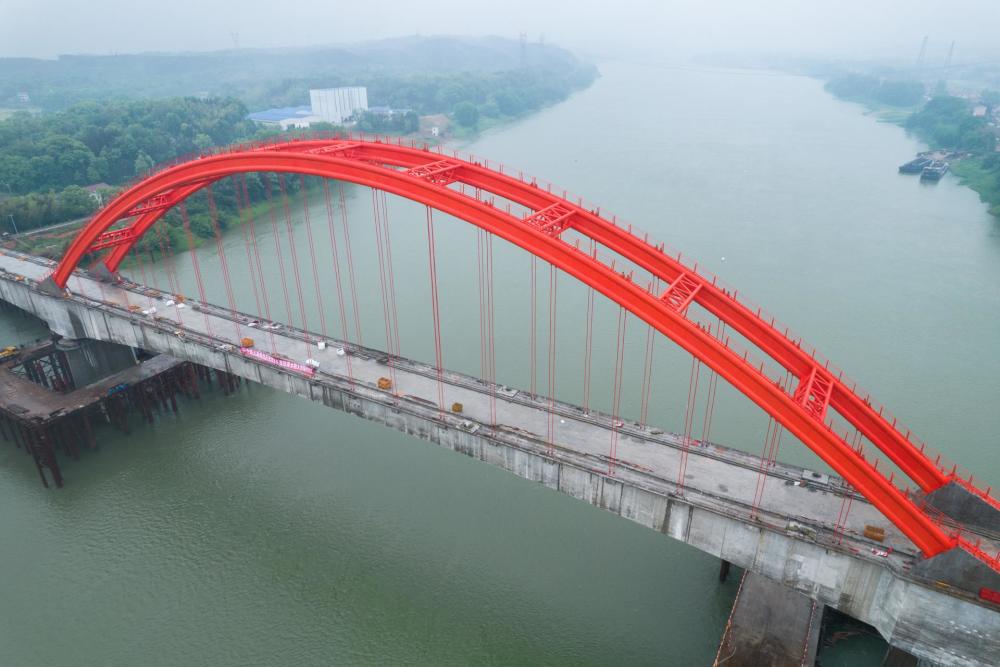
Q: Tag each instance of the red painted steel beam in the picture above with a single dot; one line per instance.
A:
(895, 445)
(681, 292)
(883, 435)
(147, 220)
(552, 220)
(366, 169)
(440, 172)
(813, 393)
(114, 237)
(774, 344)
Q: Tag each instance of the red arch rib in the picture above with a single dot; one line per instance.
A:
(423, 175)
(927, 474)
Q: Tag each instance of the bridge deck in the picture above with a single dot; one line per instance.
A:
(794, 500)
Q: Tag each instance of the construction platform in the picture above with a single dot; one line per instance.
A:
(43, 411)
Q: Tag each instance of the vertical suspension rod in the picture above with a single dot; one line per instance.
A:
(273, 215)
(589, 337)
(251, 227)
(616, 388)
(688, 420)
(336, 274)
(533, 341)
(647, 373)
(553, 283)
(384, 285)
(295, 257)
(390, 271)
(490, 310)
(713, 383)
(227, 282)
(242, 211)
(312, 255)
(196, 264)
(435, 311)
(350, 264)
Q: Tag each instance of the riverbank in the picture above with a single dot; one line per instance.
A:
(982, 174)
(947, 123)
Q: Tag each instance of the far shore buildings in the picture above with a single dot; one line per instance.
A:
(329, 105)
(335, 105)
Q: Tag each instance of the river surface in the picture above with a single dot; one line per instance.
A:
(261, 529)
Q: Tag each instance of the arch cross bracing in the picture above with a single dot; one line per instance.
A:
(427, 175)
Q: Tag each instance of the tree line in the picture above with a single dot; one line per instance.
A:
(868, 88)
(947, 122)
(45, 159)
(111, 142)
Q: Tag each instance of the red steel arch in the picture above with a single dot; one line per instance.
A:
(424, 175)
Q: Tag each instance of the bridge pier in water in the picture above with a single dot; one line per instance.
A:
(53, 393)
(770, 625)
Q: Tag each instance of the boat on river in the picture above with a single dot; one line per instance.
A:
(934, 171)
(915, 166)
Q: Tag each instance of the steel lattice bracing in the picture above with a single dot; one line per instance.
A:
(424, 175)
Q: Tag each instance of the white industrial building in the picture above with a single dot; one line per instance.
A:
(330, 105)
(335, 105)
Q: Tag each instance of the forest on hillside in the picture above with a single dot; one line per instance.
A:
(129, 113)
(398, 72)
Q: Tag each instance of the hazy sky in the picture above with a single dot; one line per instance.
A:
(650, 28)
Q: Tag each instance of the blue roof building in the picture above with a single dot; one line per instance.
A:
(285, 117)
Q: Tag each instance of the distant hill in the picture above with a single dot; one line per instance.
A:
(267, 77)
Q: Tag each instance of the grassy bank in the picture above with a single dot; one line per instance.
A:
(982, 174)
(944, 122)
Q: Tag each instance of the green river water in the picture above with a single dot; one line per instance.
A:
(261, 529)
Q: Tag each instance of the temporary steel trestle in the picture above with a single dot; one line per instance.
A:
(424, 175)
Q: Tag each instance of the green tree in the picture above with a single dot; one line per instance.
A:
(75, 202)
(143, 163)
(411, 122)
(466, 114)
(509, 102)
(202, 141)
(947, 122)
(490, 109)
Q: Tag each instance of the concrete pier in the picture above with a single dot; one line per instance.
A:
(795, 535)
(770, 626)
(89, 361)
